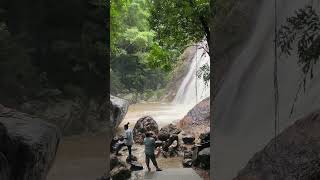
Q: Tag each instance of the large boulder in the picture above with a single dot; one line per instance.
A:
(143, 125)
(296, 157)
(78, 115)
(28, 146)
(197, 120)
(118, 110)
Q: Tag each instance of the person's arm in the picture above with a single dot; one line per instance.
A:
(153, 142)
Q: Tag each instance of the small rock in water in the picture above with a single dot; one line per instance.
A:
(133, 158)
(188, 139)
(187, 163)
(136, 166)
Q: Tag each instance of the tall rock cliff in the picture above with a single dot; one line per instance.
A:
(53, 61)
(243, 114)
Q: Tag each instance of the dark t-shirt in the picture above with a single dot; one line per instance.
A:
(149, 145)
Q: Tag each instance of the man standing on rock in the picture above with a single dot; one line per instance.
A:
(149, 147)
(128, 139)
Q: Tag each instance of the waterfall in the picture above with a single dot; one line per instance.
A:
(193, 89)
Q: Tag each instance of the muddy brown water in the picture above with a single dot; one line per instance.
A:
(83, 157)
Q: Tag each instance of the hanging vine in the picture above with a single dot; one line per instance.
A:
(301, 35)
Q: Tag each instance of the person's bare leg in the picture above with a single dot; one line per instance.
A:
(154, 162)
(148, 163)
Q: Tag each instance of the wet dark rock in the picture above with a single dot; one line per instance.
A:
(136, 166)
(143, 125)
(172, 142)
(205, 137)
(204, 158)
(173, 137)
(187, 163)
(159, 143)
(114, 161)
(188, 139)
(296, 157)
(167, 131)
(28, 146)
(187, 154)
(133, 158)
(163, 136)
(120, 173)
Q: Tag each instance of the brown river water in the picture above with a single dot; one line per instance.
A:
(83, 157)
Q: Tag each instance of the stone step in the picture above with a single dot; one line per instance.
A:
(173, 174)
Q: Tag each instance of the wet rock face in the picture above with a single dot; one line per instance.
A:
(296, 157)
(28, 146)
(143, 125)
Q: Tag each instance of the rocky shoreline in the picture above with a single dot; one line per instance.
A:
(184, 143)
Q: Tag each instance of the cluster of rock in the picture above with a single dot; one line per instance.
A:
(120, 170)
(197, 154)
(175, 142)
(28, 146)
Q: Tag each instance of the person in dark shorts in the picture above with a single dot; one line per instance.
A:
(149, 147)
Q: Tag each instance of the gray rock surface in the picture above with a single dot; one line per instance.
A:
(296, 157)
(118, 110)
(78, 115)
(197, 120)
(243, 105)
(28, 146)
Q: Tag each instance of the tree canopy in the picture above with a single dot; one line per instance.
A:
(179, 23)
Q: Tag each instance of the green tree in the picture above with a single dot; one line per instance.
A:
(133, 48)
(179, 23)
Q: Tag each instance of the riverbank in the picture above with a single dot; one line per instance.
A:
(163, 114)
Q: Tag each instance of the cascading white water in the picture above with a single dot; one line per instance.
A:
(193, 89)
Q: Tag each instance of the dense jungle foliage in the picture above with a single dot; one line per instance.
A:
(148, 36)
